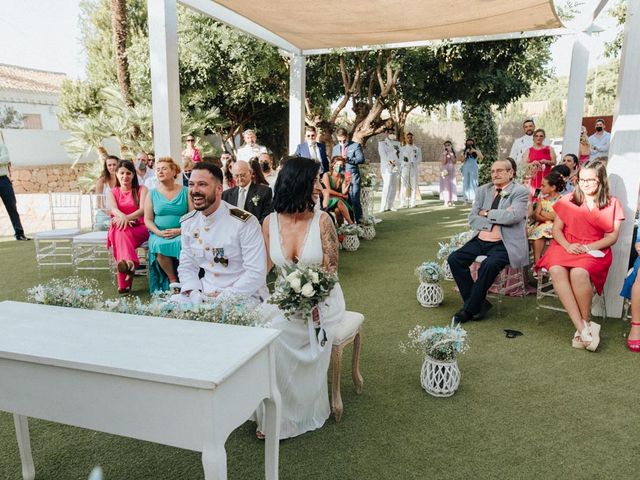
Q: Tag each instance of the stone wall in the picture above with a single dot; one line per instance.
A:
(428, 172)
(54, 178)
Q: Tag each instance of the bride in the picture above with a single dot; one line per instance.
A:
(296, 232)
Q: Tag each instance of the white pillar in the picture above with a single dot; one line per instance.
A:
(165, 86)
(297, 82)
(575, 95)
(624, 154)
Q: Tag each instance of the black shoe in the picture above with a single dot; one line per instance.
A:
(22, 237)
(484, 309)
(461, 316)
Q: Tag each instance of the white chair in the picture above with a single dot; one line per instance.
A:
(53, 247)
(349, 331)
(547, 298)
(509, 280)
(89, 250)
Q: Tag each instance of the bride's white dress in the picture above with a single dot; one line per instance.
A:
(301, 367)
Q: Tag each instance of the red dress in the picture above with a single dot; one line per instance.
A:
(582, 225)
(535, 155)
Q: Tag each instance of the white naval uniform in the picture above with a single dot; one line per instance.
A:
(389, 151)
(247, 152)
(409, 173)
(229, 246)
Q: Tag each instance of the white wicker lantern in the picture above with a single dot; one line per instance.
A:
(447, 270)
(368, 232)
(440, 378)
(430, 294)
(351, 243)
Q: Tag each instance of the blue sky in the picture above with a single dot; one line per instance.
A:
(44, 34)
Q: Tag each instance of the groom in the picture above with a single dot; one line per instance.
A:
(223, 241)
(499, 217)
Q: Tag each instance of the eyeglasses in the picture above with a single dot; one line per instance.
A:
(587, 181)
(191, 140)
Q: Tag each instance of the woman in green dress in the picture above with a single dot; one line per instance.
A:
(162, 211)
(336, 191)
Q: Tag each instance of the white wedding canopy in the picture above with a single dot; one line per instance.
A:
(302, 27)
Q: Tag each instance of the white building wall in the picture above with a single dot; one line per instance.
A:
(43, 104)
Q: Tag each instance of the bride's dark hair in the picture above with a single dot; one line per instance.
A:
(293, 191)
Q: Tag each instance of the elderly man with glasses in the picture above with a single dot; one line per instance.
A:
(499, 218)
(313, 149)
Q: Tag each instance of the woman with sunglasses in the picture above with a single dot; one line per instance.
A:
(539, 158)
(191, 151)
(587, 223)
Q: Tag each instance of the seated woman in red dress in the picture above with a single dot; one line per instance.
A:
(538, 159)
(127, 231)
(587, 223)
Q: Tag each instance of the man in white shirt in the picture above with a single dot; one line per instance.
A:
(145, 174)
(523, 144)
(389, 151)
(599, 141)
(250, 148)
(224, 241)
(411, 157)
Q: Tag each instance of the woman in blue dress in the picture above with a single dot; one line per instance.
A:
(163, 209)
(470, 158)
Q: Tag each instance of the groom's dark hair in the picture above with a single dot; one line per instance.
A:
(211, 168)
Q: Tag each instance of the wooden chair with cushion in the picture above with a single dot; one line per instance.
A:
(349, 331)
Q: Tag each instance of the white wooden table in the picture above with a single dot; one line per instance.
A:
(175, 382)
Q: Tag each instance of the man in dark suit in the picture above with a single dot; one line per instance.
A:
(353, 156)
(255, 199)
(314, 150)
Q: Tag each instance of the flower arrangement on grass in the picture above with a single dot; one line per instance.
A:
(440, 343)
(368, 177)
(349, 229)
(84, 293)
(301, 288)
(429, 272)
(73, 292)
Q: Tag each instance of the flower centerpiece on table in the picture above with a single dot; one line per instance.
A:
(430, 293)
(439, 346)
(300, 290)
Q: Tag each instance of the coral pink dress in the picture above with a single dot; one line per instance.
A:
(582, 225)
(124, 242)
(535, 155)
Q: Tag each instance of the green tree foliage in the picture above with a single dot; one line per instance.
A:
(10, 118)
(480, 124)
(552, 120)
(619, 12)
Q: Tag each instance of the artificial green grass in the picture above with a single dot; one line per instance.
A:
(529, 407)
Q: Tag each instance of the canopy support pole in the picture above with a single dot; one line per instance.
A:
(575, 95)
(297, 86)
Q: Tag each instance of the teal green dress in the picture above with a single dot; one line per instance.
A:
(167, 214)
(333, 201)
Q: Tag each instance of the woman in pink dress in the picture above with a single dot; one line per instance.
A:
(587, 223)
(539, 158)
(127, 231)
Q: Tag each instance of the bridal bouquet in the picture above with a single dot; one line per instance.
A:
(301, 288)
(439, 343)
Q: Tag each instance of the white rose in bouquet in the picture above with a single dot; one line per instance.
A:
(307, 290)
(315, 278)
(296, 284)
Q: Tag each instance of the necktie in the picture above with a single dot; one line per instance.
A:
(242, 197)
(344, 151)
(496, 199)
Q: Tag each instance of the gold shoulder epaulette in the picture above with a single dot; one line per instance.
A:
(188, 215)
(240, 214)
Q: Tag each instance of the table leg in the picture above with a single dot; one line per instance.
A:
(272, 425)
(24, 445)
(214, 461)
